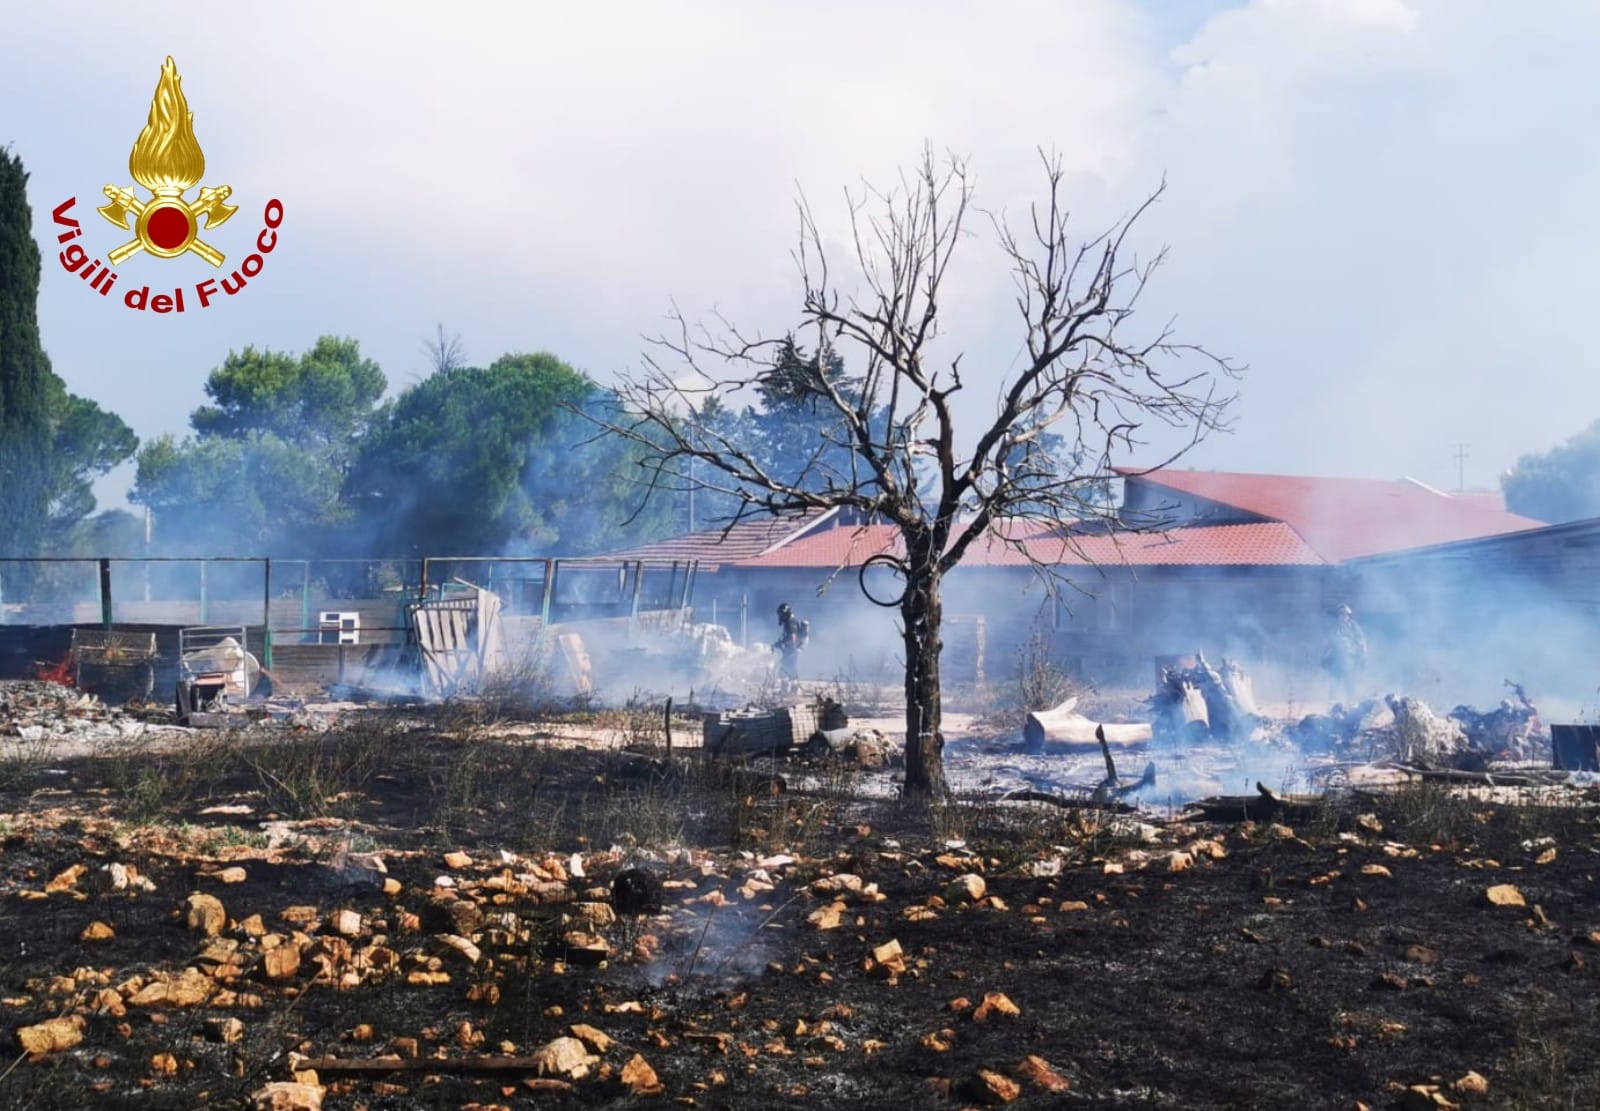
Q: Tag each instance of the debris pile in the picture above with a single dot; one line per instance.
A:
(743, 734)
(36, 711)
(1405, 729)
(1198, 701)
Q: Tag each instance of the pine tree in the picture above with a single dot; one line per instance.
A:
(24, 374)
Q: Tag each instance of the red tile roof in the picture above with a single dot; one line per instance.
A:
(718, 546)
(1266, 543)
(1346, 518)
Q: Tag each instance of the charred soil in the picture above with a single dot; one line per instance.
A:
(439, 901)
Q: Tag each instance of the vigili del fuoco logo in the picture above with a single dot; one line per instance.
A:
(167, 161)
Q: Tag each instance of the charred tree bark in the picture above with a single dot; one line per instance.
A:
(921, 611)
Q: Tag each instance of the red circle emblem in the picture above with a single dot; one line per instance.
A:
(168, 228)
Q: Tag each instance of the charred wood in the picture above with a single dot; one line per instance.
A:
(1064, 725)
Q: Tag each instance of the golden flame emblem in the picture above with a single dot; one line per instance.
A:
(168, 161)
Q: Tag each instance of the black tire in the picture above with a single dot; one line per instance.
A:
(894, 565)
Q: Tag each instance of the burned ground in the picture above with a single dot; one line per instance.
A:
(1337, 959)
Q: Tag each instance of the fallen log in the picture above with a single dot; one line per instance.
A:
(1486, 778)
(1263, 806)
(1064, 725)
(377, 1066)
(1067, 802)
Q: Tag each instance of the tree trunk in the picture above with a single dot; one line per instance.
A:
(920, 611)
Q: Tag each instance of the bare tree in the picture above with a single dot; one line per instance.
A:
(1079, 381)
(445, 353)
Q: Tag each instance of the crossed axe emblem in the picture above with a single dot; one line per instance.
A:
(177, 221)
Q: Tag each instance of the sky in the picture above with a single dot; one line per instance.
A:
(1383, 208)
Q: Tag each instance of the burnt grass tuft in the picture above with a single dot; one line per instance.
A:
(1336, 962)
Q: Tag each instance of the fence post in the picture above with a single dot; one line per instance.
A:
(105, 594)
(305, 600)
(205, 609)
(550, 568)
(266, 613)
(638, 587)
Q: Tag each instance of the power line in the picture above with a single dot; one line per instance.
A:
(1461, 466)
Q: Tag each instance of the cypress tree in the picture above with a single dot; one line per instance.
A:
(24, 375)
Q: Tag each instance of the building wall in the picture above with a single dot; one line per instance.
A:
(1453, 623)
(1109, 628)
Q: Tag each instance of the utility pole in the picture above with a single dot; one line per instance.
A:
(1461, 466)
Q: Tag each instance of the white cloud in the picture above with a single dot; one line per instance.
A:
(1378, 204)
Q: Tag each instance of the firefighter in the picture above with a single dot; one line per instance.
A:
(792, 636)
(1346, 656)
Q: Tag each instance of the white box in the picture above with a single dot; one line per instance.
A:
(338, 627)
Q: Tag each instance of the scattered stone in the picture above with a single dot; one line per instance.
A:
(995, 1005)
(232, 875)
(281, 962)
(1474, 1083)
(595, 914)
(564, 1057)
(189, 988)
(206, 914)
(1393, 981)
(968, 888)
(838, 884)
(828, 917)
(287, 1095)
(887, 959)
(989, 1088)
(457, 861)
(1427, 1097)
(67, 880)
(463, 946)
(345, 923)
(596, 1040)
(301, 916)
(1040, 1073)
(164, 1064)
(1376, 870)
(52, 1035)
(639, 1078)
(1505, 895)
(97, 931)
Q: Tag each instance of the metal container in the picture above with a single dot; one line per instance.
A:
(1576, 747)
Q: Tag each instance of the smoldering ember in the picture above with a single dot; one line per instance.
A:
(508, 832)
